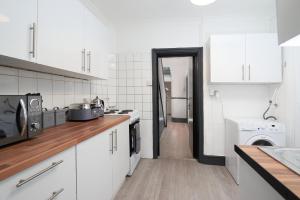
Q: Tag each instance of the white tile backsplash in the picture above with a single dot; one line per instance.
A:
(8, 85)
(58, 90)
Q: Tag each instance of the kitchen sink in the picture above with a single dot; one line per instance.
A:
(290, 157)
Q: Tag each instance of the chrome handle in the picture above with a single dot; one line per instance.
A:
(116, 139)
(89, 61)
(33, 30)
(55, 194)
(249, 68)
(83, 60)
(25, 117)
(24, 181)
(112, 142)
(243, 72)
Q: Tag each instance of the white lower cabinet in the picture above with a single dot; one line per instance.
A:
(103, 163)
(94, 168)
(54, 178)
(120, 158)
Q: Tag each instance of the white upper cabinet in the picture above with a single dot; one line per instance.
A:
(17, 22)
(263, 58)
(60, 34)
(95, 45)
(227, 58)
(251, 58)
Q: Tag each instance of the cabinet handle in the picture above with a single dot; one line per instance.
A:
(24, 181)
(249, 67)
(89, 61)
(112, 142)
(55, 194)
(83, 60)
(116, 138)
(243, 72)
(33, 32)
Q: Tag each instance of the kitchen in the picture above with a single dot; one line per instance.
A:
(71, 51)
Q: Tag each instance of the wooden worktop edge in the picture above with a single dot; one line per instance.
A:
(29, 162)
(284, 191)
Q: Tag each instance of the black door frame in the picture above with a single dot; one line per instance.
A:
(198, 118)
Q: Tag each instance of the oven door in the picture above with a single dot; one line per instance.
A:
(13, 119)
(135, 138)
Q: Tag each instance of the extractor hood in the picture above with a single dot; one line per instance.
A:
(288, 22)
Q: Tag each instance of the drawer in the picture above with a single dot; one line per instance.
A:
(54, 177)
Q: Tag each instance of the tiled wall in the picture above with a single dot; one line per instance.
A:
(135, 83)
(57, 90)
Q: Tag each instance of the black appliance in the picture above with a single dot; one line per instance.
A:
(20, 117)
(135, 138)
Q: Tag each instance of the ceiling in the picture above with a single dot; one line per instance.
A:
(153, 9)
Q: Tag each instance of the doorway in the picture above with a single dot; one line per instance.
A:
(174, 139)
(196, 122)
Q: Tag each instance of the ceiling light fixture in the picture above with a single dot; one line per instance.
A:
(4, 18)
(202, 2)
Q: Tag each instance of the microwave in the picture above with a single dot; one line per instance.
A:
(20, 117)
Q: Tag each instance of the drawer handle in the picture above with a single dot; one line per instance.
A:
(24, 181)
(55, 194)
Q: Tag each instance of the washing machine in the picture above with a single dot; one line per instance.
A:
(250, 132)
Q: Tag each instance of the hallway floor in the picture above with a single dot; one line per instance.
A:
(176, 176)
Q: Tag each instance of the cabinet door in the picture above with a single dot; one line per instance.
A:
(96, 41)
(60, 34)
(263, 58)
(60, 178)
(16, 19)
(227, 58)
(121, 155)
(94, 168)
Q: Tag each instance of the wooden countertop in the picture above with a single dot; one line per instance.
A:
(20, 156)
(282, 179)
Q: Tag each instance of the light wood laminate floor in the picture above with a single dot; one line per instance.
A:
(175, 176)
(174, 141)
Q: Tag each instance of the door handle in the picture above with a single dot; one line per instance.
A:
(89, 54)
(243, 72)
(116, 139)
(24, 181)
(55, 194)
(22, 123)
(111, 148)
(249, 69)
(33, 32)
(83, 60)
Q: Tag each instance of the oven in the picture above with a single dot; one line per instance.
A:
(134, 138)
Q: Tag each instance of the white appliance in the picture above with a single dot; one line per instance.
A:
(250, 132)
(134, 136)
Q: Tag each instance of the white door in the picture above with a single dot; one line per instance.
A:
(263, 58)
(227, 58)
(94, 168)
(16, 36)
(60, 34)
(95, 42)
(121, 155)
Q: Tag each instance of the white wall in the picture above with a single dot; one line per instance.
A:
(179, 69)
(247, 101)
(288, 109)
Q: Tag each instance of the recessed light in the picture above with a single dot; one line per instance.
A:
(202, 2)
(3, 18)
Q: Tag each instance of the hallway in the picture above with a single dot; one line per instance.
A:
(174, 142)
(176, 176)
